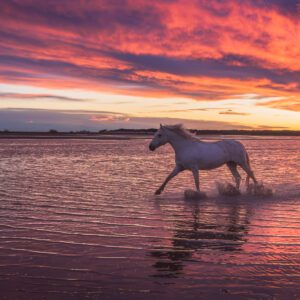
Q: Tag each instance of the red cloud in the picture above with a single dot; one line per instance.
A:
(150, 50)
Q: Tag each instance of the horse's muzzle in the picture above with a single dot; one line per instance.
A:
(151, 147)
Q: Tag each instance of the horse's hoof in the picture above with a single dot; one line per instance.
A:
(194, 195)
(158, 192)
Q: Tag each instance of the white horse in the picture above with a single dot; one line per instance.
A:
(194, 154)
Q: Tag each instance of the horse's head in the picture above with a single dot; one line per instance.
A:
(160, 138)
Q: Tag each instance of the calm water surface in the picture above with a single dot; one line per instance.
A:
(78, 220)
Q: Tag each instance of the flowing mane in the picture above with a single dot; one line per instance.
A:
(180, 130)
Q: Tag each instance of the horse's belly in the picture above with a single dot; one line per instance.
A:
(207, 165)
(203, 163)
(212, 160)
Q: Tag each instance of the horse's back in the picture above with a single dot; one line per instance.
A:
(235, 150)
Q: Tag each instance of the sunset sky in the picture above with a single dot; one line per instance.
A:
(73, 65)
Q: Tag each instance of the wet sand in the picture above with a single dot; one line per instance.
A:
(78, 220)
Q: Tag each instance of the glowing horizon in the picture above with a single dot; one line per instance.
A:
(97, 64)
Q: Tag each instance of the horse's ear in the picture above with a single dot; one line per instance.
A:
(160, 126)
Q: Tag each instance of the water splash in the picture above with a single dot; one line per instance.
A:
(227, 189)
(194, 195)
(259, 190)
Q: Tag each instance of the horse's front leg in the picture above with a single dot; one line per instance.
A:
(196, 179)
(176, 170)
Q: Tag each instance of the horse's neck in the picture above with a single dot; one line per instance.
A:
(179, 144)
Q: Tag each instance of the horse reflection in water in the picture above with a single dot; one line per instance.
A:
(221, 231)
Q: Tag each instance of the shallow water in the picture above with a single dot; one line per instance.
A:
(78, 220)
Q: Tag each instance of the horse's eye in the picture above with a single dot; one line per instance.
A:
(159, 135)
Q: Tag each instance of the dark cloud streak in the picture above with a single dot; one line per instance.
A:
(20, 96)
(231, 112)
(216, 68)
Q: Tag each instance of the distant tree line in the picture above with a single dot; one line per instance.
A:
(209, 132)
(150, 131)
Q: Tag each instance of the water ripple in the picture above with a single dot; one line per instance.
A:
(78, 219)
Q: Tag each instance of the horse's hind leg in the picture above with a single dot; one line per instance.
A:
(250, 174)
(233, 169)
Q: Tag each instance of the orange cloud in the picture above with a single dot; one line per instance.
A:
(190, 48)
(287, 104)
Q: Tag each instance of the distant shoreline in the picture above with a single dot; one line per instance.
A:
(126, 134)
